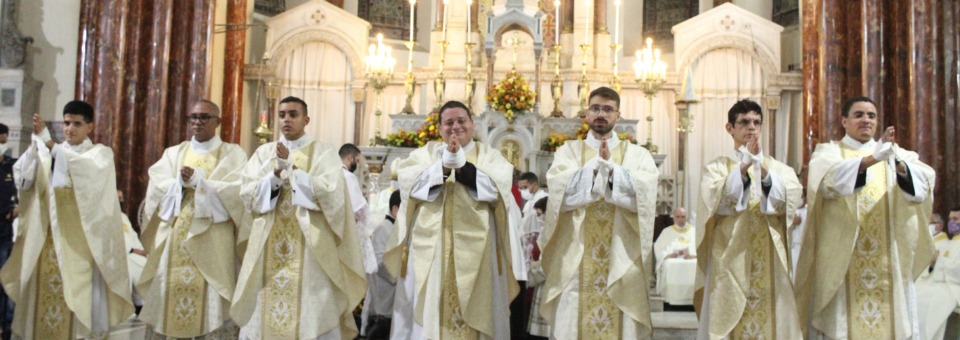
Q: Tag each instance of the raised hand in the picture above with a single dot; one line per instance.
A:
(38, 124)
(754, 146)
(604, 149)
(186, 173)
(282, 151)
(889, 135)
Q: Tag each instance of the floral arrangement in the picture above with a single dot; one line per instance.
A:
(583, 130)
(554, 141)
(511, 96)
(413, 139)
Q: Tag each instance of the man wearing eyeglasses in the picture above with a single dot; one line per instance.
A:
(192, 208)
(743, 288)
(867, 239)
(598, 232)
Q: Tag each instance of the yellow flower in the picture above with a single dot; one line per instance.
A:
(432, 127)
(423, 134)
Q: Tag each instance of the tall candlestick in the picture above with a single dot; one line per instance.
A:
(412, 3)
(446, 5)
(556, 21)
(469, 4)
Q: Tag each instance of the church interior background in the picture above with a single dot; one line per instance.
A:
(141, 63)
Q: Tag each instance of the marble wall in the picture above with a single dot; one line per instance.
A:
(903, 54)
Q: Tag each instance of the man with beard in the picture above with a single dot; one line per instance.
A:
(598, 230)
(302, 273)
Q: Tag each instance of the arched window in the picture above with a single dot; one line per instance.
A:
(390, 17)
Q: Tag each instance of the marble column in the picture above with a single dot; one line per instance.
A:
(231, 109)
(902, 55)
(139, 69)
(600, 16)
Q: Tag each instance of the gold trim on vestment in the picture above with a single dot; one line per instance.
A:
(759, 313)
(283, 264)
(186, 287)
(869, 277)
(52, 319)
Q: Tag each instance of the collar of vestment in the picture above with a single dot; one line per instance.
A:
(593, 142)
(205, 147)
(737, 155)
(856, 145)
(295, 144)
(391, 219)
(79, 148)
(682, 229)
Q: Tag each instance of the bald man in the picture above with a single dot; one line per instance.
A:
(676, 252)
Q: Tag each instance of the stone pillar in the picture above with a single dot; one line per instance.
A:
(231, 109)
(139, 69)
(902, 55)
(567, 16)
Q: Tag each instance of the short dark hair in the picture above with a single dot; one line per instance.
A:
(605, 92)
(292, 99)
(216, 108)
(79, 107)
(742, 107)
(395, 199)
(541, 204)
(848, 104)
(530, 177)
(453, 104)
(4, 129)
(349, 150)
(956, 208)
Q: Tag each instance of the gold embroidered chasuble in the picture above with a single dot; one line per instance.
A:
(600, 245)
(862, 251)
(66, 237)
(192, 260)
(297, 258)
(742, 257)
(468, 238)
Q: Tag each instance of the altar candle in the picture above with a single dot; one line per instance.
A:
(446, 5)
(469, 4)
(616, 29)
(412, 4)
(586, 28)
(263, 116)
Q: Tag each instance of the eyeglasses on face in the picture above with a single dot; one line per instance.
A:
(200, 117)
(606, 109)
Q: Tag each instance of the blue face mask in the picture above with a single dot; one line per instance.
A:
(953, 227)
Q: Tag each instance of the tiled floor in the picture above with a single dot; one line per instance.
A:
(674, 325)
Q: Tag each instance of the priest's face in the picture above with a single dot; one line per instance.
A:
(680, 217)
(745, 128)
(860, 122)
(204, 118)
(293, 120)
(602, 115)
(456, 123)
(75, 128)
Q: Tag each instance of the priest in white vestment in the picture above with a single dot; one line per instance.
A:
(191, 211)
(530, 191)
(68, 270)
(676, 254)
(744, 289)
(938, 295)
(598, 232)
(302, 274)
(866, 239)
(453, 245)
(381, 286)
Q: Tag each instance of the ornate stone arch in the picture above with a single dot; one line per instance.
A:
(286, 47)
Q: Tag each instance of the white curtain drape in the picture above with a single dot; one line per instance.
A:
(320, 74)
(721, 78)
(634, 105)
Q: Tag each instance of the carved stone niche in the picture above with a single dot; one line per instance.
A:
(19, 94)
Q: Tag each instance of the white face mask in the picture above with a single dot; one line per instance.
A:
(395, 184)
(933, 229)
(525, 194)
(3, 149)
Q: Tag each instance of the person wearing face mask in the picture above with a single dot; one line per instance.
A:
(938, 293)
(537, 327)
(865, 243)
(350, 157)
(598, 231)
(70, 234)
(192, 210)
(454, 252)
(530, 191)
(302, 274)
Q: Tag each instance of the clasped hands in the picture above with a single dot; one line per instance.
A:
(752, 153)
(282, 163)
(453, 157)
